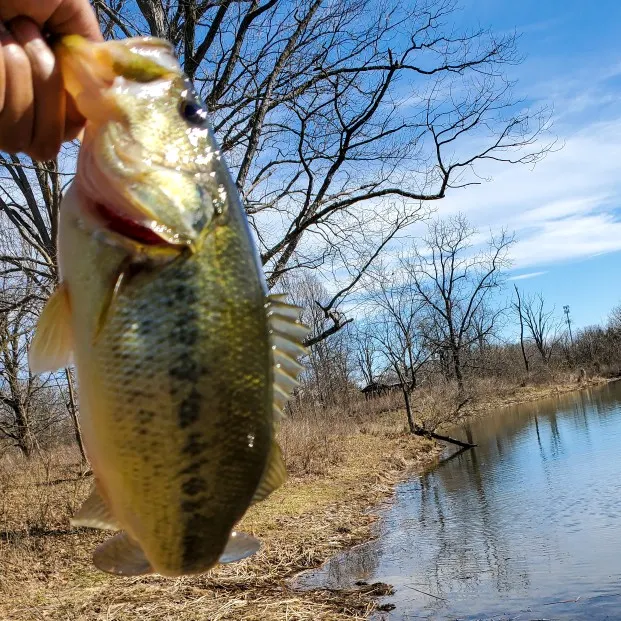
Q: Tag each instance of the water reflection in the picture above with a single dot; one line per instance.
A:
(525, 526)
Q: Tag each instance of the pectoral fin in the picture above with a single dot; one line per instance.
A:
(121, 555)
(94, 513)
(274, 476)
(239, 546)
(112, 293)
(52, 344)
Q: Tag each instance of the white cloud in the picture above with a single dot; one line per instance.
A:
(566, 208)
(527, 275)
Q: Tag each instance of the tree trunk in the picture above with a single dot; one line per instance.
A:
(457, 369)
(24, 437)
(445, 364)
(408, 407)
(23, 433)
(74, 416)
(420, 431)
(526, 364)
(519, 309)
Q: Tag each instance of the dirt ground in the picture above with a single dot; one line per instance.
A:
(46, 572)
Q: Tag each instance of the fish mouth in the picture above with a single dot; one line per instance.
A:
(110, 209)
(90, 72)
(114, 220)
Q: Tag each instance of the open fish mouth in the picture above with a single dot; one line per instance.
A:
(114, 220)
(109, 199)
(113, 165)
(109, 205)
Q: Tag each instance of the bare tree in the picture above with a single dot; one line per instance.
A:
(29, 272)
(614, 319)
(396, 324)
(328, 368)
(367, 354)
(517, 305)
(327, 110)
(542, 326)
(391, 328)
(24, 399)
(341, 121)
(400, 317)
(30, 196)
(455, 285)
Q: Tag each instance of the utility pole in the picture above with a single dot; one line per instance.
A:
(566, 311)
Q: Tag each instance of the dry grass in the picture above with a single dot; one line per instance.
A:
(493, 395)
(339, 468)
(340, 465)
(437, 406)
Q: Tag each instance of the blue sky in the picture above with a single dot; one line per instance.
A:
(566, 212)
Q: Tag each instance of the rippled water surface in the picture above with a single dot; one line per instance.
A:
(526, 526)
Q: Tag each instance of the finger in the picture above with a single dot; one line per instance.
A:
(55, 16)
(49, 101)
(74, 122)
(17, 113)
(4, 33)
(73, 17)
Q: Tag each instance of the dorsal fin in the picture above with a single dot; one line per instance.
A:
(287, 333)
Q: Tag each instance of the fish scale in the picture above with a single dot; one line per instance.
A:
(201, 407)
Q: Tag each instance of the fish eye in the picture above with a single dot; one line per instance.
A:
(192, 109)
(194, 113)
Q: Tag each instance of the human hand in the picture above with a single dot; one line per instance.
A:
(36, 116)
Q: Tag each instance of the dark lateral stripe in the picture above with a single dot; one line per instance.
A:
(185, 372)
(189, 409)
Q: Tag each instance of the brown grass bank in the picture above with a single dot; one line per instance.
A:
(340, 468)
(490, 397)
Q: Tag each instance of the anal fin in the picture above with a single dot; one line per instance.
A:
(52, 345)
(274, 476)
(239, 546)
(94, 513)
(122, 556)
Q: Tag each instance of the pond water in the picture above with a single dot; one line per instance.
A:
(526, 526)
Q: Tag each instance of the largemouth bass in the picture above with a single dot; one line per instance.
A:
(184, 363)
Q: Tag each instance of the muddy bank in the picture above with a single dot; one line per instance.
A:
(48, 574)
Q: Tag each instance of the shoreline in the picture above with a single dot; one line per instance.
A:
(529, 393)
(303, 524)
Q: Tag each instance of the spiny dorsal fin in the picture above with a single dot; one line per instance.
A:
(94, 513)
(52, 344)
(274, 476)
(121, 555)
(287, 333)
(238, 547)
